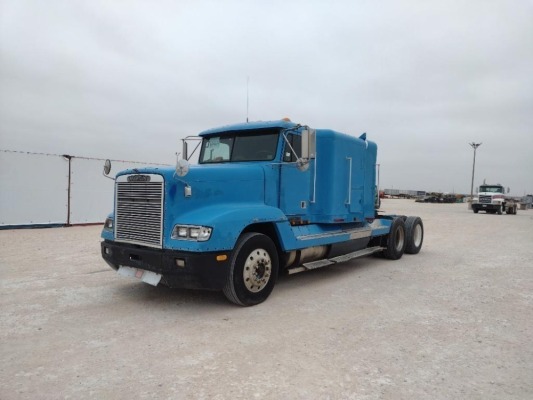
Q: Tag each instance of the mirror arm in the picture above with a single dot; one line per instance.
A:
(194, 151)
(108, 177)
(185, 146)
(292, 150)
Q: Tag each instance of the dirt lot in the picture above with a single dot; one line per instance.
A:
(453, 322)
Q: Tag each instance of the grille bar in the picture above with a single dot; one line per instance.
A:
(139, 211)
(485, 199)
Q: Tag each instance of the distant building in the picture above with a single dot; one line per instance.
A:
(404, 193)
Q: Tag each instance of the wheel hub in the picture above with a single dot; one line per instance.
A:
(400, 237)
(257, 270)
(417, 235)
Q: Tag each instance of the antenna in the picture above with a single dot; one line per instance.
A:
(247, 97)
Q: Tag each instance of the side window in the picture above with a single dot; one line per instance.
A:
(296, 144)
(255, 147)
(216, 149)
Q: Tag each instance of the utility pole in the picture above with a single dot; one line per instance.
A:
(474, 146)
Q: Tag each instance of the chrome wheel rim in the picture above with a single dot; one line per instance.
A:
(417, 235)
(257, 270)
(400, 237)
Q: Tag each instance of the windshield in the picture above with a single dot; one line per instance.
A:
(491, 189)
(233, 146)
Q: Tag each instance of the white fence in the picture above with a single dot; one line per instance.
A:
(50, 189)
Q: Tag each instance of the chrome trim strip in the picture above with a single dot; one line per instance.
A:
(357, 233)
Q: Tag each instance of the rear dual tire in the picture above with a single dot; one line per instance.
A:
(414, 234)
(395, 240)
(406, 236)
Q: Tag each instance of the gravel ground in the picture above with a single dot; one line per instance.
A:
(453, 322)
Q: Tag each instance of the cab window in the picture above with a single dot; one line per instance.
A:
(296, 144)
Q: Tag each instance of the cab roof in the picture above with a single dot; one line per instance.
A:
(245, 126)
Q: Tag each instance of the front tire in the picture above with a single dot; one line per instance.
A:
(396, 242)
(253, 270)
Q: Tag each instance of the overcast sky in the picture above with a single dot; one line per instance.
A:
(128, 79)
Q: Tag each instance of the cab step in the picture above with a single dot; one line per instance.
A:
(325, 262)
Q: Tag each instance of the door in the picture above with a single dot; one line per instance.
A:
(295, 184)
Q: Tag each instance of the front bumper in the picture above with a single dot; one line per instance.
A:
(485, 206)
(201, 270)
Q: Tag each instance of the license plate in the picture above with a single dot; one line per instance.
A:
(484, 205)
(146, 276)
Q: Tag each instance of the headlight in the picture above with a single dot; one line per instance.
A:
(108, 224)
(192, 232)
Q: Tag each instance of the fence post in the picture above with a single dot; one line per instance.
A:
(69, 158)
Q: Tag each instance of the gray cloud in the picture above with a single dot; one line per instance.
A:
(423, 79)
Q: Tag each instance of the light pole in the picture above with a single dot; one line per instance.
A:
(474, 146)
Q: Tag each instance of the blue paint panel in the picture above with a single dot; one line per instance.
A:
(272, 179)
(381, 226)
(295, 193)
(345, 168)
(293, 237)
(228, 221)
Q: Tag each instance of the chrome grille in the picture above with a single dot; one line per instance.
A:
(139, 211)
(485, 199)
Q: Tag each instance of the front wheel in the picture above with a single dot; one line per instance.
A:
(253, 270)
(499, 210)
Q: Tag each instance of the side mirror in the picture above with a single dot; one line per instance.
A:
(107, 167)
(508, 190)
(477, 190)
(182, 167)
(185, 150)
(308, 144)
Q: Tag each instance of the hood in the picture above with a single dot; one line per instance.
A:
(209, 185)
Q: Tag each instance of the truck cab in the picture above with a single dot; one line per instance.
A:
(264, 198)
(492, 200)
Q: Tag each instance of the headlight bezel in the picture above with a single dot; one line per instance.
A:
(196, 233)
(109, 224)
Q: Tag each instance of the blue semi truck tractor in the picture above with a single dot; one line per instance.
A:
(264, 198)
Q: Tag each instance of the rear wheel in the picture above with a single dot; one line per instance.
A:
(414, 234)
(396, 242)
(253, 270)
